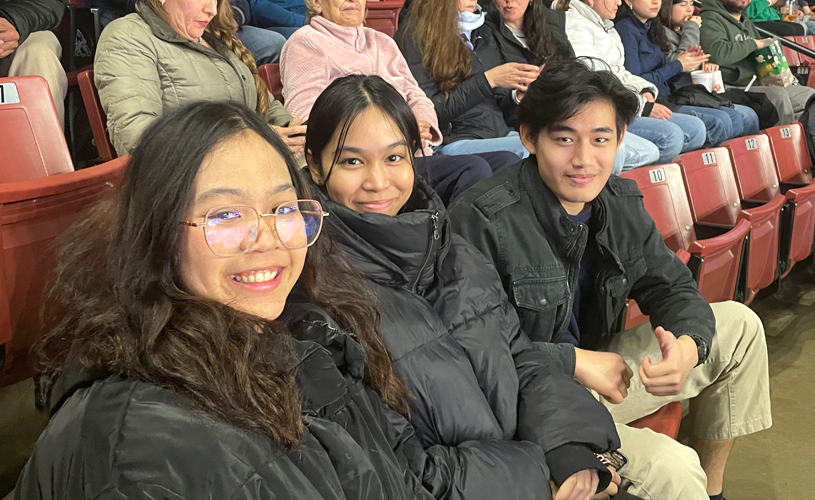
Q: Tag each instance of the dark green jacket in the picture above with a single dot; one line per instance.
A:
(520, 225)
(730, 43)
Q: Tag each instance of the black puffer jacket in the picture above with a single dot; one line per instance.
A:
(113, 438)
(29, 16)
(482, 389)
(473, 110)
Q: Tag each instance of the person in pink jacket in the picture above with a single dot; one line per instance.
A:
(334, 44)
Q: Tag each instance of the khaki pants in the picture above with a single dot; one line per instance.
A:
(39, 55)
(729, 397)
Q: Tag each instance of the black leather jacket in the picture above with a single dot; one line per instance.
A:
(519, 223)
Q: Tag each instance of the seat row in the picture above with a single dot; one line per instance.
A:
(740, 215)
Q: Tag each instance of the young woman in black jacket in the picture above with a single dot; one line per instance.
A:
(455, 60)
(500, 410)
(166, 371)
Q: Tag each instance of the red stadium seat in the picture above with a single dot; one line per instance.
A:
(791, 55)
(271, 75)
(383, 15)
(806, 41)
(794, 170)
(96, 116)
(666, 420)
(714, 199)
(32, 214)
(715, 252)
(32, 144)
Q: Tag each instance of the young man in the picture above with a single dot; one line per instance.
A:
(571, 243)
(730, 39)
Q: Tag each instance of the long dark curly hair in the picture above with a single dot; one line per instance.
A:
(537, 33)
(119, 306)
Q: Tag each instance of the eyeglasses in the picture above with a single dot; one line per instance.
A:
(233, 229)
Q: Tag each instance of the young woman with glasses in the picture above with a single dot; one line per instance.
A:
(167, 371)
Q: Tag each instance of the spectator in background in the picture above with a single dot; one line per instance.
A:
(761, 13)
(730, 39)
(336, 44)
(28, 47)
(529, 32)
(592, 34)
(645, 43)
(282, 16)
(172, 52)
(265, 45)
(168, 373)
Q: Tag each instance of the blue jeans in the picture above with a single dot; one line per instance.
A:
(634, 152)
(724, 123)
(265, 45)
(679, 134)
(512, 143)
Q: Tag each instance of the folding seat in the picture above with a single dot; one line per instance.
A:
(383, 15)
(271, 75)
(96, 116)
(793, 167)
(790, 54)
(32, 214)
(666, 420)
(714, 199)
(715, 252)
(32, 143)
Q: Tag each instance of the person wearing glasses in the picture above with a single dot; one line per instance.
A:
(167, 371)
(498, 412)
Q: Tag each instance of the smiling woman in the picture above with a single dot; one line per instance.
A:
(166, 345)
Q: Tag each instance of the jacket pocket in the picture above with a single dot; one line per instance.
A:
(541, 306)
(634, 270)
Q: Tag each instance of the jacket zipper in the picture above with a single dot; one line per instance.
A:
(434, 217)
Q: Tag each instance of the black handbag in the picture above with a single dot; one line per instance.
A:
(761, 104)
(698, 95)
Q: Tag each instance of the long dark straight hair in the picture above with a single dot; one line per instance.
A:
(122, 308)
(537, 33)
(340, 104)
(656, 30)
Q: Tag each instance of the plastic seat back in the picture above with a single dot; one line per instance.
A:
(96, 116)
(32, 144)
(712, 191)
(271, 75)
(32, 215)
(754, 167)
(791, 55)
(383, 15)
(790, 153)
(666, 201)
(806, 41)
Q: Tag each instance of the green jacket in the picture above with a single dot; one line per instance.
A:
(143, 68)
(760, 11)
(729, 42)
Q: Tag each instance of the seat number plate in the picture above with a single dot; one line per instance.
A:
(785, 133)
(709, 158)
(657, 175)
(751, 144)
(8, 93)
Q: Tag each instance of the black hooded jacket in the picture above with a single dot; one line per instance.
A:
(484, 395)
(114, 438)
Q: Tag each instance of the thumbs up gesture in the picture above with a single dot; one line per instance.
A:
(679, 356)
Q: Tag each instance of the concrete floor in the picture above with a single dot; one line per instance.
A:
(774, 464)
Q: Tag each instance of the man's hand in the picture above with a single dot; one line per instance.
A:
(661, 112)
(604, 372)
(294, 135)
(613, 486)
(679, 356)
(579, 486)
(9, 38)
(764, 42)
